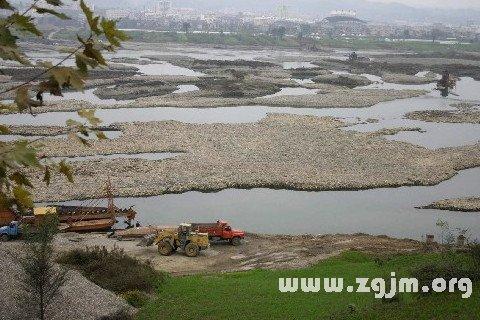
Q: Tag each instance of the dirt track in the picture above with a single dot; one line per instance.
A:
(256, 251)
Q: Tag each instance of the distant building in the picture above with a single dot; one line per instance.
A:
(343, 23)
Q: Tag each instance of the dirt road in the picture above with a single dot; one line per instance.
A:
(256, 251)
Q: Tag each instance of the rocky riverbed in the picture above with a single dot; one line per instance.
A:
(470, 204)
(281, 151)
(464, 113)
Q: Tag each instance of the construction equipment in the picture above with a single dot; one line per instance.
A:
(11, 231)
(220, 230)
(169, 240)
(6, 217)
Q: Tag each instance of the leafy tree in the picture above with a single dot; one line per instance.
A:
(42, 279)
(186, 26)
(19, 157)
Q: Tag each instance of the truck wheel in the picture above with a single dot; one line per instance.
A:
(165, 248)
(236, 241)
(191, 249)
(4, 237)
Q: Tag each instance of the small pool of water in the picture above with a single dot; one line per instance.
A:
(298, 65)
(164, 69)
(303, 81)
(182, 88)
(378, 211)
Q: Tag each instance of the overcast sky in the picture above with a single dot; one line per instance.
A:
(443, 3)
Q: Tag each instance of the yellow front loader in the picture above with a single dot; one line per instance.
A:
(169, 240)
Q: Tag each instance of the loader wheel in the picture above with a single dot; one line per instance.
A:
(191, 249)
(165, 248)
(4, 237)
(236, 241)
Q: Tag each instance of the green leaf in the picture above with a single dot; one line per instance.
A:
(89, 115)
(22, 98)
(72, 123)
(24, 23)
(12, 53)
(67, 76)
(113, 35)
(4, 129)
(22, 197)
(24, 154)
(91, 19)
(66, 170)
(100, 135)
(91, 52)
(83, 62)
(56, 3)
(20, 179)
(47, 176)
(5, 5)
(60, 15)
(50, 86)
(6, 38)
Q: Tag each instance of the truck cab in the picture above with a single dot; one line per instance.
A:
(11, 231)
(227, 232)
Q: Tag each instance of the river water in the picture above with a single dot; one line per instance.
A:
(388, 211)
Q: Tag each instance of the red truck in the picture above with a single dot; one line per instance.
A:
(220, 231)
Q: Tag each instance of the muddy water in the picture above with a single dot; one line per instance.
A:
(377, 211)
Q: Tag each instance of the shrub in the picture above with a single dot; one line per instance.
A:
(447, 270)
(135, 298)
(113, 270)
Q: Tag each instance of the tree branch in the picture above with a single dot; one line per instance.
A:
(42, 73)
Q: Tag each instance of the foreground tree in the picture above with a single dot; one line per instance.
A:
(16, 159)
(42, 279)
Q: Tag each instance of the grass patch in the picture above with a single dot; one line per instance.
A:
(114, 270)
(248, 39)
(254, 294)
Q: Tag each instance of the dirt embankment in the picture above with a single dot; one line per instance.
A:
(79, 298)
(281, 151)
(471, 204)
(256, 251)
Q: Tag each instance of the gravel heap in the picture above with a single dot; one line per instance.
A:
(281, 151)
(408, 79)
(79, 298)
(462, 204)
(340, 98)
(465, 113)
(345, 80)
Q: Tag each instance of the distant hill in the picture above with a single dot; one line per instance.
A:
(367, 10)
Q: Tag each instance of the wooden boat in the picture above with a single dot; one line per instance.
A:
(90, 225)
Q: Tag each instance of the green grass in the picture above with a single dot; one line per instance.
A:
(247, 39)
(254, 294)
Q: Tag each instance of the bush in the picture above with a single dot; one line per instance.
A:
(447, 270)
(113, 270)
(135, 298)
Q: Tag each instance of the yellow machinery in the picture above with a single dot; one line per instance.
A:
(169, 240)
